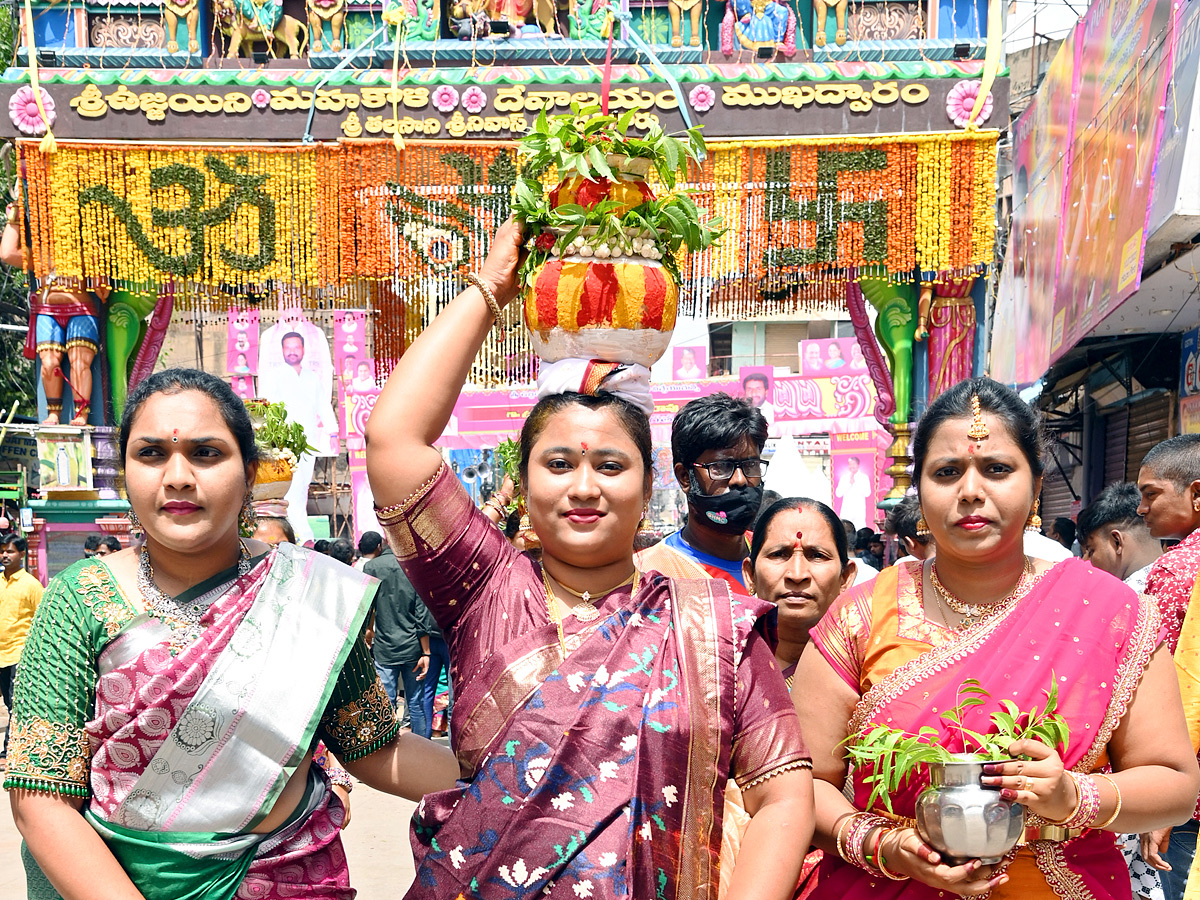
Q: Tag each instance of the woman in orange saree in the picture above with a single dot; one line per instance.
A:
(896, 652)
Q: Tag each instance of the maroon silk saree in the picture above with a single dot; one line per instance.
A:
(601, 773)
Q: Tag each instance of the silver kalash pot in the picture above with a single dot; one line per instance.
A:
(962, 818)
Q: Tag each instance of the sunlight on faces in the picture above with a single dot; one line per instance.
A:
(802, 583)
(564, 481)
(989, 479)
(203, 469)
(1168, 511)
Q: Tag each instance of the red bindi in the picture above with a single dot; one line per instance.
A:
(583, 447)
(175, 436)
(799, 537)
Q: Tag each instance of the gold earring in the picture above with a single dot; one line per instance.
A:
(247, 518)
(922, 526)
(1034, 522)
(134, 524)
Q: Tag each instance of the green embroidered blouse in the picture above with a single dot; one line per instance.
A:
(55, 693)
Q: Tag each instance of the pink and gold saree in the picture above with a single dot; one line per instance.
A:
(596, 774)
(181, 751)
(1078, 626)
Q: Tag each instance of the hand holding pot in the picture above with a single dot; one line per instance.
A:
(905, 853)
(1038, 783)
(499, 270)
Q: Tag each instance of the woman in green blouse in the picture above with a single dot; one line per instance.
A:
(173, 695)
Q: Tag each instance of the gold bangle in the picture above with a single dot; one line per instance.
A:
(488, 297)
(1078, 800)
(1116, 811)
(846, 819)
(892, 876)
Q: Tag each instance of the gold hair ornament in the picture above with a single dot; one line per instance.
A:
(978, 430)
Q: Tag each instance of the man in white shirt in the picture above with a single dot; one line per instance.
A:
(853, 492)
(305, 387)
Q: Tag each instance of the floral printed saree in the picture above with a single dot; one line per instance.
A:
(599, 772)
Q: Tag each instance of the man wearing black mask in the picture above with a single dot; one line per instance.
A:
(716, 445)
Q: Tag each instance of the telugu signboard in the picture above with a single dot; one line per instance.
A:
(94, 111)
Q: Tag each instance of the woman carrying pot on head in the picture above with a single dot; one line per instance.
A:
(896, 651)
(174, 695)
(596, 718)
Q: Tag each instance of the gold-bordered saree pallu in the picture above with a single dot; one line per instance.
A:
(602, 773)
(191, 751)
(1077, 626)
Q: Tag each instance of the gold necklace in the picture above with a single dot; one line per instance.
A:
(969, 611)
(586, 595)
(589, 614)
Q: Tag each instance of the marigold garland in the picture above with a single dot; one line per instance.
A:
(803, 216)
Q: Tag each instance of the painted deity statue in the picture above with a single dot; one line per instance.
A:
(820, 14)
(518, 12)
(757, 24)
(895, 326)
(676, 8)
(946, 315)
(64, 322)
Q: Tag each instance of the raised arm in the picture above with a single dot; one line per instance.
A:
(418, 399)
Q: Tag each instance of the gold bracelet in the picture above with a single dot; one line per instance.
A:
(1078, 800)
(882, 866)
(1117, 811)
(846, 819)
(488, 297)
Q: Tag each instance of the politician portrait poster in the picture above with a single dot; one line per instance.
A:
(296, 369)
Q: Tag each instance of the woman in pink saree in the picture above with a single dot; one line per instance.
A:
(896, 651)
(174, 694)
(599, 710)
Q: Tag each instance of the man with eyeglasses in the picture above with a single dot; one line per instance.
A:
(716, 445)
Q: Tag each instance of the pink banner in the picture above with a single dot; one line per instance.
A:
(855, 488)
(800, 406)
(241, 346)
(1124, 59)
(833, 356)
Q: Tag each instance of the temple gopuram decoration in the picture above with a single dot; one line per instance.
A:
(341, 164)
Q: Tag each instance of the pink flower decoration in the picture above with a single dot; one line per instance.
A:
(474, 99)
(961, 101)
(23, 110)
(702, 97)
(260, 98)
(445, 98)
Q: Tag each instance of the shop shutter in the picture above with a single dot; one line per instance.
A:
(781, 341)
(1056, 496)
(1149, 424)
(1116, 434)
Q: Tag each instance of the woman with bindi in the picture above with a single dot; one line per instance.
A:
(596, 719)
(897, 651)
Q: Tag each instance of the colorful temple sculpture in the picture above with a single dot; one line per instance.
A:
(183, 162)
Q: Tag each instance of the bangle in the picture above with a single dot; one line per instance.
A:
(842, 822)
(488, 297)
(1088, 805)
(864, 824)
(1116, 810)
(1078, 802)
(892, 876)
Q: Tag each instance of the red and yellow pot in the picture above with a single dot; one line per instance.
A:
(621, 310)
